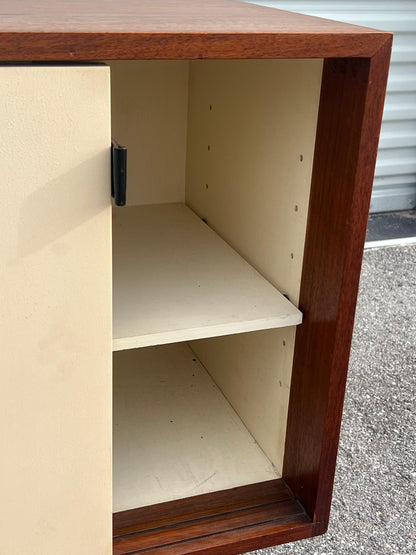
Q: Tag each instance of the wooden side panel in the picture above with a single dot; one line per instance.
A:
(250, 151)
(149, 105)
(55, 319)
(348, 128)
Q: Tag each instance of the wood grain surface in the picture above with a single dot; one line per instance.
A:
(349, 122)
(224, 522)
(199, 506)
(43, 30)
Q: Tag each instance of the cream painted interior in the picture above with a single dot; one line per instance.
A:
(251, 137)
(169, 286)
(175, 435)
(246, 147)
(55, 318)
(149, 103)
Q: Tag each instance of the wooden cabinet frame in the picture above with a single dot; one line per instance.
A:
(354, 80)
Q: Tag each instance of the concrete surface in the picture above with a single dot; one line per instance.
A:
(374, 503)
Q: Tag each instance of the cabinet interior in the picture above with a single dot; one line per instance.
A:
(207, 261)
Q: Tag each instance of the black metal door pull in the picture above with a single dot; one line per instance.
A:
(118, 173)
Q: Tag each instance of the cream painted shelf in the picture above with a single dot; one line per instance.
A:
(175, 434)
(175, 280)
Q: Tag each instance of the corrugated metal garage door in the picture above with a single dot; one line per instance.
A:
(395, 181)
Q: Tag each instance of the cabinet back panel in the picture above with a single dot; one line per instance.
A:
(250, 146)
(55, 321)
(149, 114)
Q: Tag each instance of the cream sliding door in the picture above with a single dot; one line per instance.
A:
(55, 318)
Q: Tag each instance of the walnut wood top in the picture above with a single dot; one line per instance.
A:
(158, 16)
(168, 29)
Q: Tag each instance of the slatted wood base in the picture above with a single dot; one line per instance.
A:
(226, 522)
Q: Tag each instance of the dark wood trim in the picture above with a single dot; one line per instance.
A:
(71, 46)
(227, 522)
(200, 506)
(349, 123)
(239, 541)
